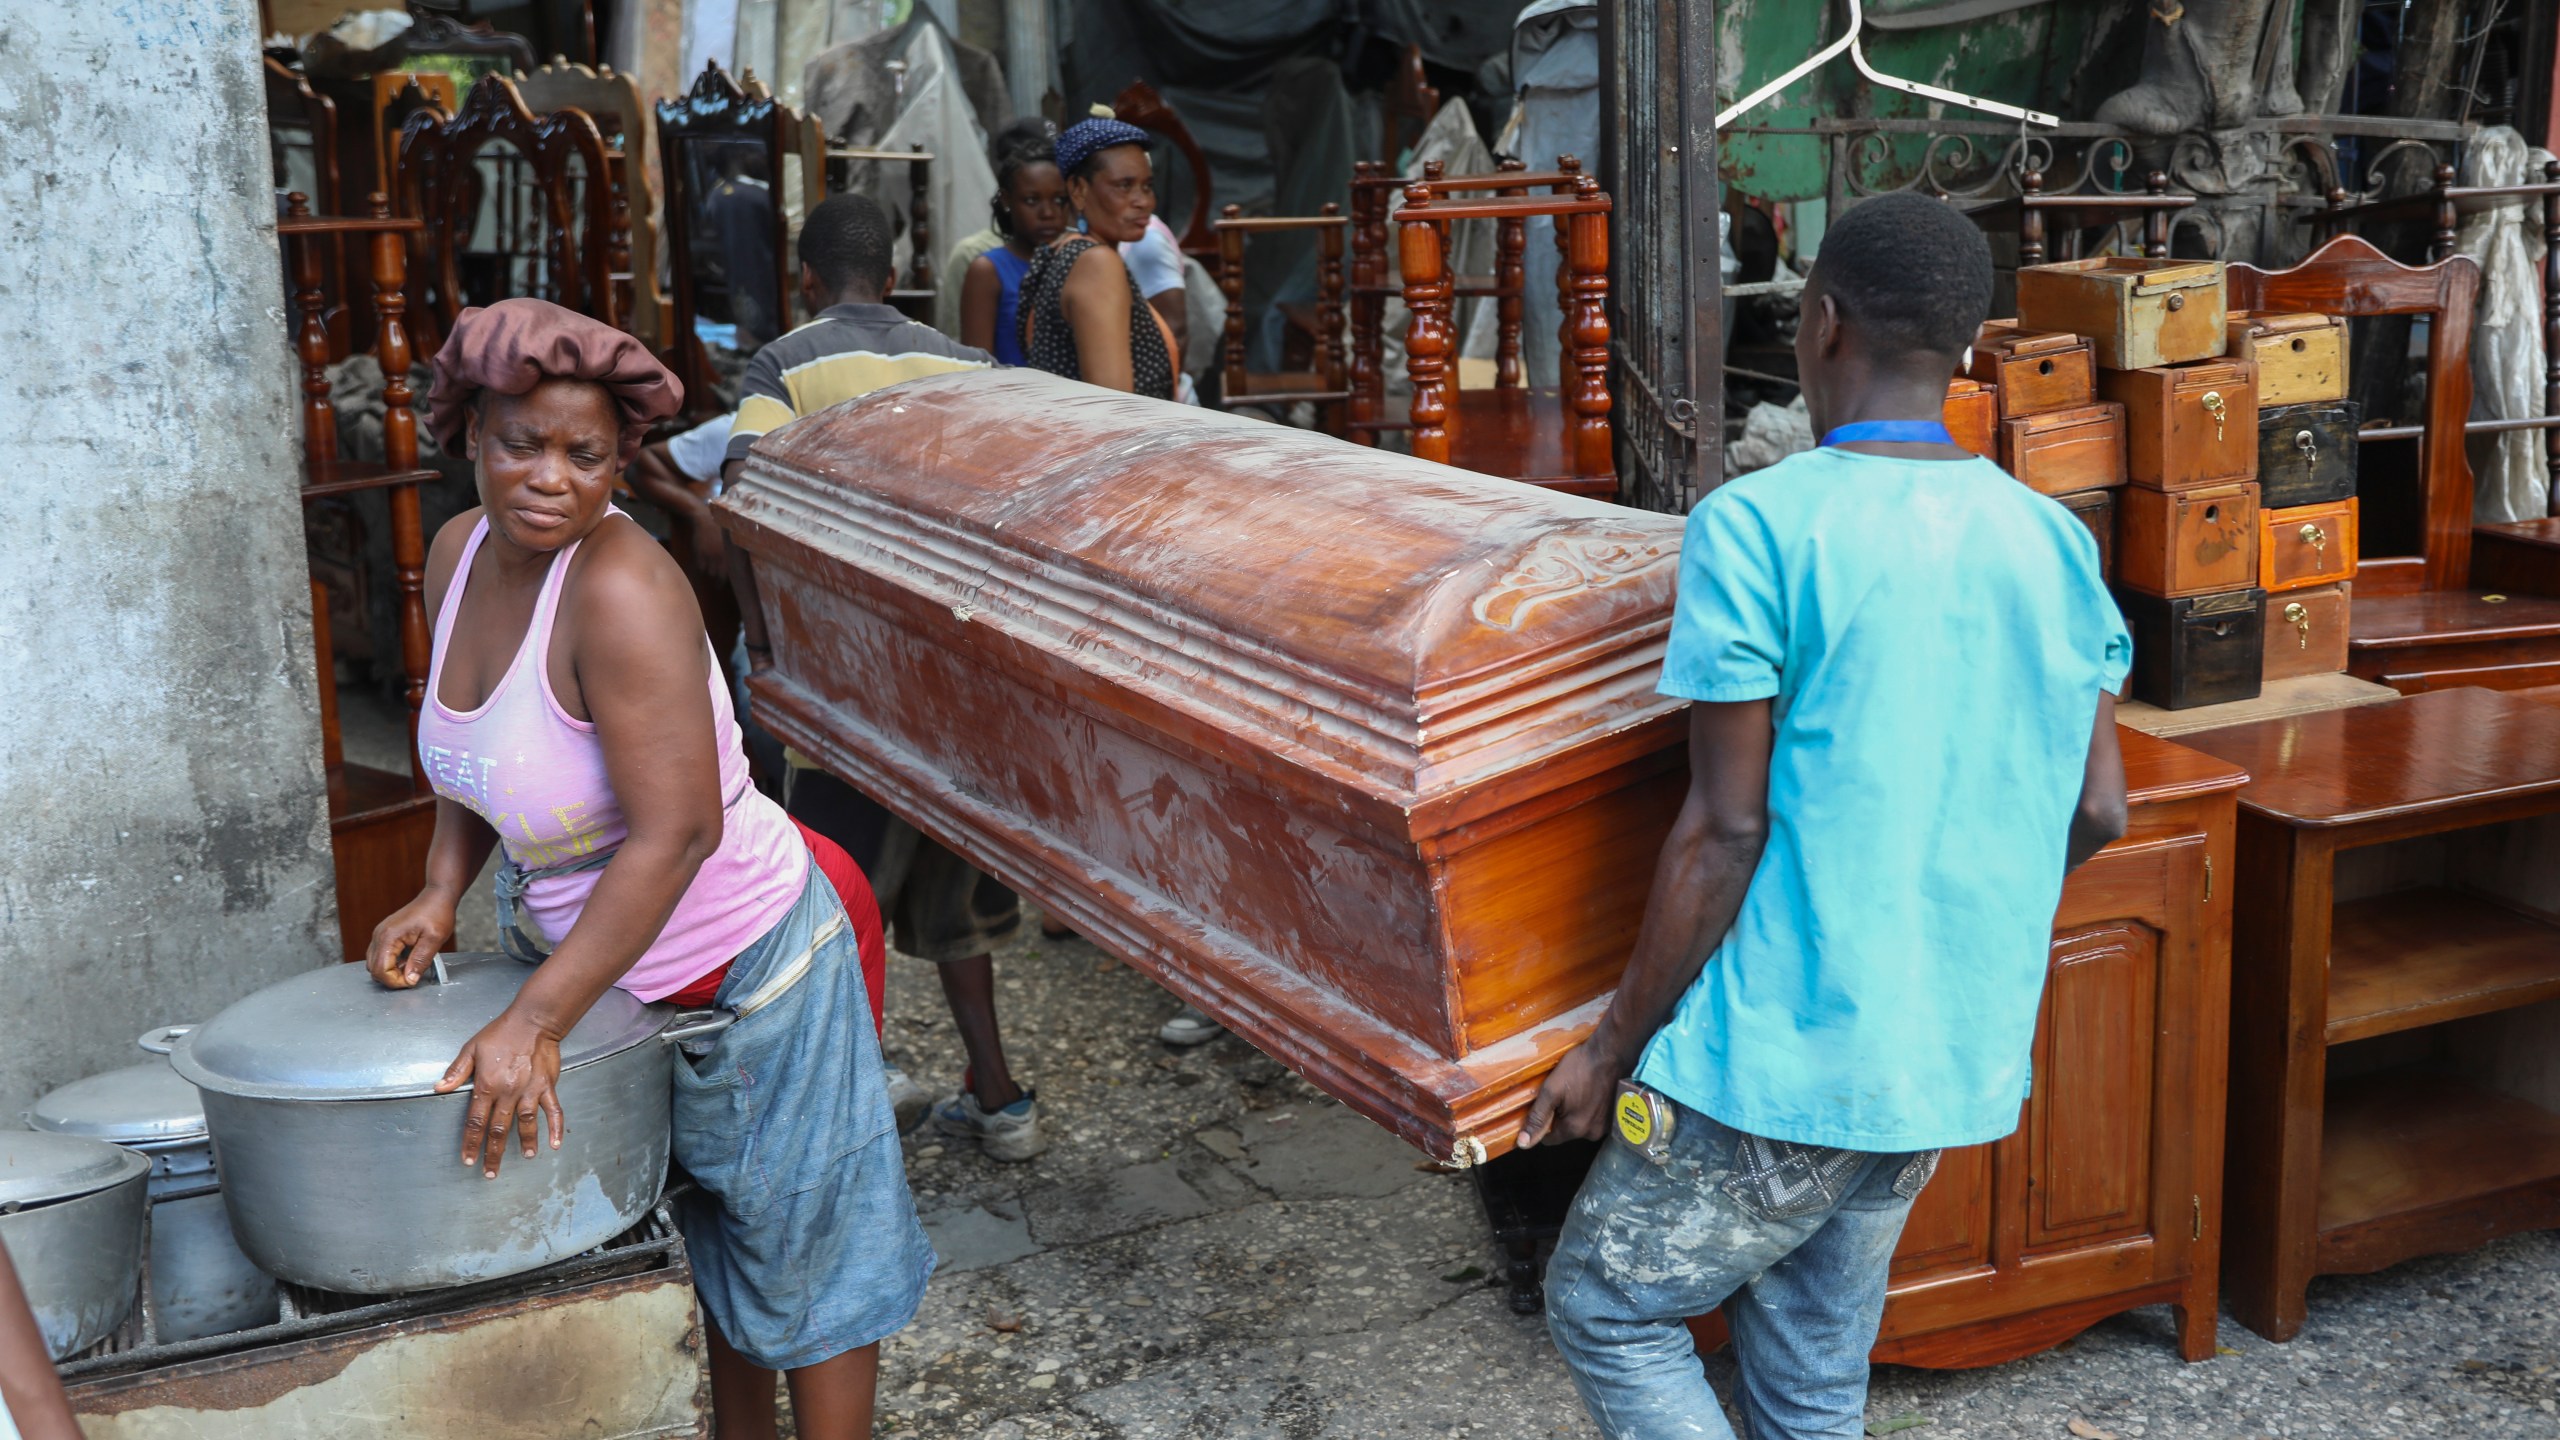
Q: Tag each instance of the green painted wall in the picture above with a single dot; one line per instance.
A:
(2060, 56)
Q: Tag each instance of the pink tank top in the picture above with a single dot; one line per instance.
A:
(537, 776)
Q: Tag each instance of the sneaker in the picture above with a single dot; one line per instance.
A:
(908, 1100)
(1009, 1134)
(1189, 1027)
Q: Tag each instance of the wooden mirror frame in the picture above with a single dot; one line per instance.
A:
(716, 108)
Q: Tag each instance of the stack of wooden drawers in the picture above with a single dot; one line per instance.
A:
(2212, 455)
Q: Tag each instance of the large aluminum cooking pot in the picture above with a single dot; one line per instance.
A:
(71, 1216)
(342, 1168)
(200, 1282)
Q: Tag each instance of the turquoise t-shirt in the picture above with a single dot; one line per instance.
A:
(1936, 636)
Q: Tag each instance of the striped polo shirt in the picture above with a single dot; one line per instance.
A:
(848, 351)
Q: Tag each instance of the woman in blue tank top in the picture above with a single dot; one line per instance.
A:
(1030, 207)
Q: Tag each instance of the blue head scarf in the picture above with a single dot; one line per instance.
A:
(1086, 138)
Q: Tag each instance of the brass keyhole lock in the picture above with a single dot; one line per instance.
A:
(2298, 615)
(2309, 444)
(2214, 407)
(2044, 367)
(2177, 302)
(2316, 538)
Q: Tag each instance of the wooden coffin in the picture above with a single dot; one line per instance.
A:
(2138, 313)
(2187, 424)
(2059, 451)
(2299, 357)
(2307, 452)
(2187, 542)
(1358, 753)
(2035, 373)
(1972, 416)
(2306, 545)
(2097, 510)
(2307, 632)
(2199, 650)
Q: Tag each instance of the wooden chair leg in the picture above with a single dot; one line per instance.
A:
(1427, 338)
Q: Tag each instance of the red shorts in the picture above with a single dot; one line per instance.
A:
(859, 908)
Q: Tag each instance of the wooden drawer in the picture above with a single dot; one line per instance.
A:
(2199, 650)
(2188, 542)
(2137, 313)
(2307, 632)
(2307, 452)
(2097, 510)
(2036, 373)
(1973, 416)
(2061, 451)
(2304, 545)
(2187, 425)
(2299, 357)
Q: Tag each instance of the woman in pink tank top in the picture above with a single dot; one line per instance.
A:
(575, 717)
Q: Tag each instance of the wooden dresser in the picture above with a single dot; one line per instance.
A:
(2108, 1195)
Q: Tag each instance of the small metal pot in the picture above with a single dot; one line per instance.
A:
(200, 1282)
(342, 1170)
(71, 1217)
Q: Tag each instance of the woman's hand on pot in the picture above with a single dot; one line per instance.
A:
(409, 939)
(513, 1069)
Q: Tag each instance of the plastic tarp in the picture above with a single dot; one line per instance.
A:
(2510, 473)
(935, 112)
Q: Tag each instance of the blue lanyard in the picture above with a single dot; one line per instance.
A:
(1909, 431)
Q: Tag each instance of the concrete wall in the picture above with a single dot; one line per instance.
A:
(164, 839)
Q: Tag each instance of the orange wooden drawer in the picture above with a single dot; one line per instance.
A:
(2187, 542)
(1973, 416)
(2307, 632)
(2187, 424)
(2036, 373)
(2304, 545)
(2061, 451)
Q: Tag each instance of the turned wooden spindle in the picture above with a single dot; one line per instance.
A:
(400, 452)
(311, 344)
(1331, 372)
(1587, 257)
(1511, 285)
(1231, 284)
(2448, 220)
(920, 220)
(1427, 337)
(2155, 220)
(1368, 307)
(2551, 324)
(2030, 219)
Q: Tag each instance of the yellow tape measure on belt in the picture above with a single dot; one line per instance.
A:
(1644, 1121)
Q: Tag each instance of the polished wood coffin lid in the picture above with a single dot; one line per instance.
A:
(1401, 629)
(1359, 753)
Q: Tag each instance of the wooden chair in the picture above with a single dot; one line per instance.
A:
(1406, 105)
(301, 120)
(2037, 215)
(1141, 106)
(380, 823)
(916, 296)
(2421, 621)
(558, 181)
(694, 131)
(612, 100)
(1557, 439)
(1325, 385)
(1373, 191)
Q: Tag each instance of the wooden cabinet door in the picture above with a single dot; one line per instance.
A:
(2088, 1129)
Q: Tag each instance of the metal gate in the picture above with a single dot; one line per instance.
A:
(1657, 152)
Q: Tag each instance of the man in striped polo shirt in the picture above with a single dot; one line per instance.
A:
(939, 907)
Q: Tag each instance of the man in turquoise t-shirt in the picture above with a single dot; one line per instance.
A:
(1904, 736)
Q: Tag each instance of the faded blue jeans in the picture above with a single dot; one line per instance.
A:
(1806, 1235)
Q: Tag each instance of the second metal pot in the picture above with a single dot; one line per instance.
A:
(71, 1216)
(341, 1169)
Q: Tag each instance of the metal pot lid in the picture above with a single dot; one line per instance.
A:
(334, 1034)
(39, 1169)
(138, 1105)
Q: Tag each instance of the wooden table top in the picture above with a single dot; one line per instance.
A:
(2428, 753)
(2157, 770)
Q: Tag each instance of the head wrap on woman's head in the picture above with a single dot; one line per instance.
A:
(1086, 138)
(514, 345)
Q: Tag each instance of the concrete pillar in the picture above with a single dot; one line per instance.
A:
(164, 844)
